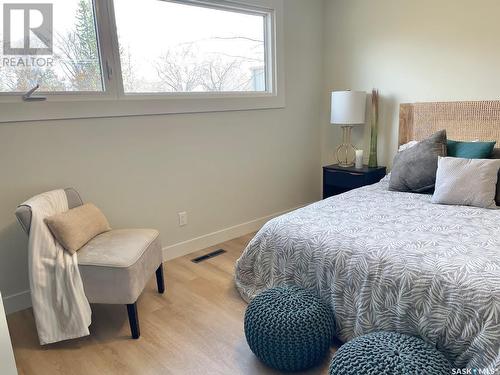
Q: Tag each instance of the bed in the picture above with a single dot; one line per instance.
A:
(393, 261)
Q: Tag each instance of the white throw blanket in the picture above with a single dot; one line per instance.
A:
(60, 306)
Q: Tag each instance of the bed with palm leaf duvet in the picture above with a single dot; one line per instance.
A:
(390, 261)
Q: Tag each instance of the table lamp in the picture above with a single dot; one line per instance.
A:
(348, 109)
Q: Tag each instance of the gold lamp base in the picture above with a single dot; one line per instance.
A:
(346, 152)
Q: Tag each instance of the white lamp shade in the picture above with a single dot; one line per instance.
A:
(348, 107)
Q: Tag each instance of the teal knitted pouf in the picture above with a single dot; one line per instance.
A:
(289, 328)
(388, 353)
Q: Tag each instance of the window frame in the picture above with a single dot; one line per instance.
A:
(114, 102)
(219, 5)
(103, 46)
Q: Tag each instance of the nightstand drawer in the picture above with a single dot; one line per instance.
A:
(347, 180)
(338, 180)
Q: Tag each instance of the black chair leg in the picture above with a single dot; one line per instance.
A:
(133, 319)
(160, 280)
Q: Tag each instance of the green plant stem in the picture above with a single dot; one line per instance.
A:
(373, 162)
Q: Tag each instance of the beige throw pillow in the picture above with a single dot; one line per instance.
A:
(466, 182)
(75, 227)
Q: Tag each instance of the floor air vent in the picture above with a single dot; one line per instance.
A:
(213, 254)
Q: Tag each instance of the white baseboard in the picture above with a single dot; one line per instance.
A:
(211, 239)
(22, 300)
(16, 302)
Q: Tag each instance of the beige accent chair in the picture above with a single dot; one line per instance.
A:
(116, 265)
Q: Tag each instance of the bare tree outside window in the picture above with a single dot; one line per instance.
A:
(215, 51)
(178, 70)
(78, 53)
(164, 47)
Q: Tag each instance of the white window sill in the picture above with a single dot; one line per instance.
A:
(106, 107)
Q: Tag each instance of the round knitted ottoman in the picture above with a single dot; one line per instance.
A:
(388, 353)
(289, 328)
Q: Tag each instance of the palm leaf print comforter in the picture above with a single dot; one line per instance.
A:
(390, 261)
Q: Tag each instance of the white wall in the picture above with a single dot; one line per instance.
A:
(229, 168)
(411, 50)
(224, 169)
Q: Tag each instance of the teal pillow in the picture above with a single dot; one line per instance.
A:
(470, 150)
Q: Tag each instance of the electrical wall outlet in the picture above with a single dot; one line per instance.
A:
(183, 219)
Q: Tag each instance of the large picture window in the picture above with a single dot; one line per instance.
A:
(180, 48)
(130, 57)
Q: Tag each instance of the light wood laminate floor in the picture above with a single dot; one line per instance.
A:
(196, 327)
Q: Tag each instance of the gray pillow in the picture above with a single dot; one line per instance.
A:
(496, 155)
(414, 169)
(466, 182)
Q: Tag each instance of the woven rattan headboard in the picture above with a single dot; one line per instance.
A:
(462, 120)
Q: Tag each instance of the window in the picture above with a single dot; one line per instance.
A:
(173, 47)
(181, 55)
(51, 44)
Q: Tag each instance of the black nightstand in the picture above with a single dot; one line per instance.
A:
(338, 180)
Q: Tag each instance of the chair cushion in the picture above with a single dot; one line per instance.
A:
(116, 248)
(116, 265)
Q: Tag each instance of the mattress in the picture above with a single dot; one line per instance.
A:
(390, 261)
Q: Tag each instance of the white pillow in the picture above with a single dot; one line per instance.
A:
(466, 182)
(408, 145)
